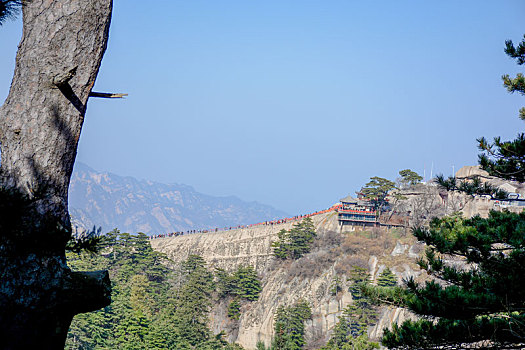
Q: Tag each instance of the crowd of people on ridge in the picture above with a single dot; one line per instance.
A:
(267, 223)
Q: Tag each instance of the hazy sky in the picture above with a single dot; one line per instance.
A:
(296, 103)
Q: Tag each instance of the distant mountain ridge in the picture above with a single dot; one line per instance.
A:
(131, 205)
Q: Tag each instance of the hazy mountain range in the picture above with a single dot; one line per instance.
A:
(131, 205)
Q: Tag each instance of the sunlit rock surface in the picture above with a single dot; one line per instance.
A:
(309, 278)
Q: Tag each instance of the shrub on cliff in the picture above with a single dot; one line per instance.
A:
(350, 330)
(289, 326)
(387, 279)
(296, 242)
(242, 283)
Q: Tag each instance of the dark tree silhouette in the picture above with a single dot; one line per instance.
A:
(40, 122)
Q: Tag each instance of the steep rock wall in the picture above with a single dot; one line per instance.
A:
(286, 282)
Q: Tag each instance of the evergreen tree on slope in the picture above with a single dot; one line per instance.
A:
(506, 159)
(482, 303)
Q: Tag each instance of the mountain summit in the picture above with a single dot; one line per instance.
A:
(131, 205)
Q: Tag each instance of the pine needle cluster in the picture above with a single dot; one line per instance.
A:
(506, 159)
(470, 187)
(9, 9)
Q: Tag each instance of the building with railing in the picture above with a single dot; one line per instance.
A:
(356, 212)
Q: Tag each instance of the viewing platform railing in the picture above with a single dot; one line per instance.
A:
(350, 211)
(358, 219)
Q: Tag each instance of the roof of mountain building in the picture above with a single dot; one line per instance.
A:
(349, 199)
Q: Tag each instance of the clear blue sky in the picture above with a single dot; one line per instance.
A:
(296, 103)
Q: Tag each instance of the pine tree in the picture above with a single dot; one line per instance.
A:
(226, 284)
(193, 301)
(280, 247)
(409, 178)
(336, 286)
(481, 303)
(260, 345)
(376, 190)
(243, 283)
(470, 187)
(341, 335)
(289, 326)
(147, 311)
(350, 330)
(360, 313)
(506, 159)
(302, 237)
(248, 285)
(234, 309)
(139, 295)
(387, 279)
(295, 242)
(517, 84)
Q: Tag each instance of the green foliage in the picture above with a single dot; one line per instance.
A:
(192, 301)
(387, 279)
(516, 52)
(394, 296)
(517, 84)
(483, 303)
(296, 242)
(361, 313)
(349, 343)
(506, 159)
(289, 326)
(359, 277)
(90, 241)
(225, 283)
(234, 309)
(243, 283)
(152, 306)
(280, 247)
(423, 334)
(336, 286)
(470, 187)
(350, 330)
(376, 190)
(247, 283)
(409, 177)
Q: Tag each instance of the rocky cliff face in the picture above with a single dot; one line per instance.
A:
(310, 277)
(112, 201)
(421, 202)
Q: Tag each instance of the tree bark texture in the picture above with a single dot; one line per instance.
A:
(58, 59)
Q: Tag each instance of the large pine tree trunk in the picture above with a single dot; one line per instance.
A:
(57, 62)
